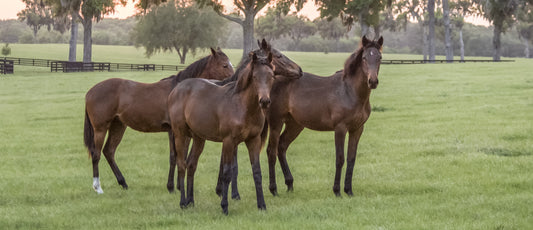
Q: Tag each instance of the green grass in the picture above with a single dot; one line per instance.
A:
(448, 146)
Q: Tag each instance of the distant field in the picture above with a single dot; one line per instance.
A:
(448, 146)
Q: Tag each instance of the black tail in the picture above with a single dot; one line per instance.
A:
(88, 135)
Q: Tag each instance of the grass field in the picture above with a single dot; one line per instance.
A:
(448, 146)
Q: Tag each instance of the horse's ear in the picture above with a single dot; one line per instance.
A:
(270, 57)
(265, 45)
(218, 48)
(213, 52)
(365, 41)
(380, 41)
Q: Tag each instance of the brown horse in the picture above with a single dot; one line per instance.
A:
(230, 114)
(283, 66)
(338, 103)
(114, 104)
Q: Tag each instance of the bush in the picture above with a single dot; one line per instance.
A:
(6, 50)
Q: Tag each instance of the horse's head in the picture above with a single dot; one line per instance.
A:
(284, 65)
(262, 77)
(371, 60)
(218, 66)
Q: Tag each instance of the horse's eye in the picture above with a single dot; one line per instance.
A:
(225, 66)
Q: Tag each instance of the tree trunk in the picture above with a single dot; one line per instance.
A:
(87, 40)
(73, 38)
(526, 49)
(447, 31)
(462, 44)
(496, 41)
(35, 30)
(431, 35)
(182, 55)
(424, 41)
(248, 33)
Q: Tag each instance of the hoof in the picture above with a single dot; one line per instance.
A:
(236, 197)
(262, 207)
(348, 192)
(273, 190)
(290, 188)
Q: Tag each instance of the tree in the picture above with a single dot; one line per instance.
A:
(331, 29)
(249, 8)
(177, 26)
(447, 30)
(272, 25)
(416, 10)
(524, 25)
(68, 9)
(299, 28)
(36, 14)
(431, 25)
(501, 14)
(459, 9)
(366, 12)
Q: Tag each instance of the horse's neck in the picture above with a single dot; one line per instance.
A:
(358, 83)
(249, 99)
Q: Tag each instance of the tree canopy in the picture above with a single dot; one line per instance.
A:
(178, 26)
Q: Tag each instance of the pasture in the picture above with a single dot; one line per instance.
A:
(447, 146)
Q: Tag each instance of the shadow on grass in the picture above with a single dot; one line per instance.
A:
(506, 152)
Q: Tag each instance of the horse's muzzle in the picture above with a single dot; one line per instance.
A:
(264, 102)
(373, 83)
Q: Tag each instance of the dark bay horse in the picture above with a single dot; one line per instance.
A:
(231, 114)
(283, 66)
(114, 104)
(338, 103)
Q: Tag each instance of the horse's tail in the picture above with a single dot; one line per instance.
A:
(88, 135)
(264, 133)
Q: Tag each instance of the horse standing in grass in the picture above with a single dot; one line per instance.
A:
(114, 104)
(338, 103)
(231, 114)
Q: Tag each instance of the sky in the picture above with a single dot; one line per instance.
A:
(10, 8)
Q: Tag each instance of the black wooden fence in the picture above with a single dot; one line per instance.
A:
(65, 66)
(6, 66)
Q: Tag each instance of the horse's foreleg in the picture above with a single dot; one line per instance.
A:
(235, 172)
(292, 130)
(353, 140)
(235, 169)
(116, 132)
(254, 148)
(228, 149)
(99, 137)
(192, 163)
(340, 135)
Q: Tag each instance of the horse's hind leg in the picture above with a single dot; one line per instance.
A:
(292, 130)
(192, 163)
(99, 137)
(235, 172)
(116, 132)
(172, 161)
(273, 143)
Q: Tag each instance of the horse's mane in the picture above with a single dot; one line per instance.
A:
(354, 61)
(235, 76)
(192, 71)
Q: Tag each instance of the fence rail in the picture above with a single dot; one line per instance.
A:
(65, 66)
(6, 67)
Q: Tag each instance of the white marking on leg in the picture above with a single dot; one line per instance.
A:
(96, 185)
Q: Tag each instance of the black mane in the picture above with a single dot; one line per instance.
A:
(192, 71)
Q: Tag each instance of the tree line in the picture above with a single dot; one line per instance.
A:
(428, 26)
